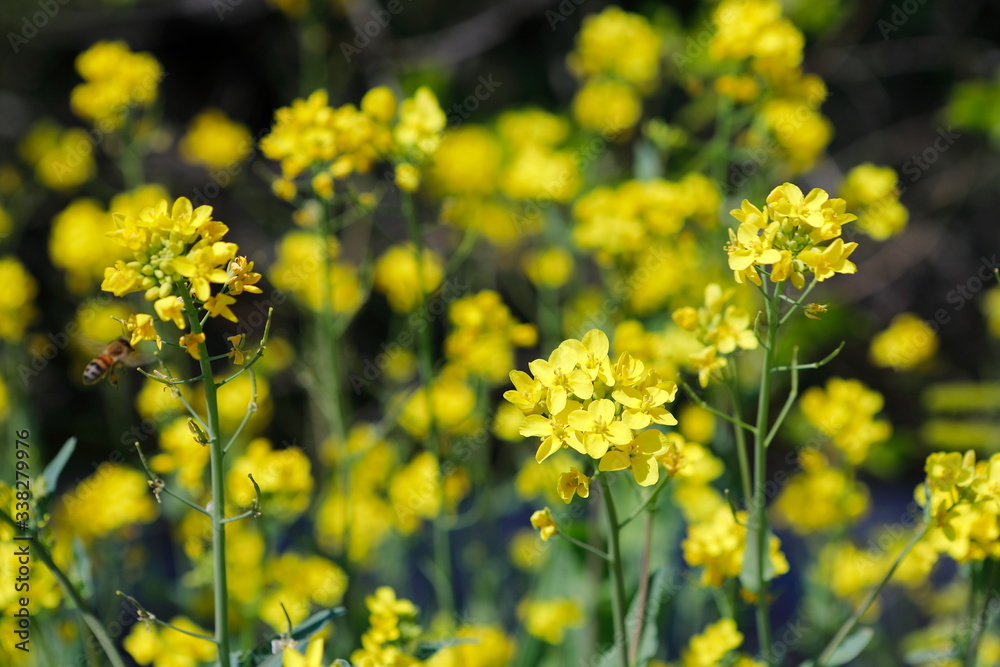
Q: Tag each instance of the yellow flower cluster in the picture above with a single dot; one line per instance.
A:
(176, 250)
(617, 57)
(115, 79)
(283, 476)
(392, 625)
(963, 498)
(452, 404)
(845, 411)
(490, 180)
(851, 572)
(85, 512)
(484, 336)
(215, 141)
(149, 644)
(873, 192)
(62, 159)
(337, 142)
(720, 327)
(296, 269)
(78, 240)
(755, 30)
(299, 582)
(17, 299)
(711, 645)
(820, 497)
(787, 236)
(612, 430)
(483, 646)
(718, 544)
(549, 619)
(404, 279)
(908, 343)
(548, 268)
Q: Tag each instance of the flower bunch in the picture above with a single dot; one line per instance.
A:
(617, 404)
(393, 628)
(718, 545)
(215, 141)
(962, 496)
(787, 234)
(115, 79)
(337, 142)
(484, 336)
(62, 159)
(721, 327)
(617, 57)
(873, 192)
(178, 253)
(845, 411)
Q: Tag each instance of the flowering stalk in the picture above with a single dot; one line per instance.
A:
(217, 511)
(618, 604)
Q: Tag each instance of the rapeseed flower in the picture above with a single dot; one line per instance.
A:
(215, 141)
(549, 619)
(115, 79)
(62, 159)
(17, 299)
(846, 411)
(908, 343)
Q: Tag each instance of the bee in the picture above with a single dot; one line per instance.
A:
(116, 353)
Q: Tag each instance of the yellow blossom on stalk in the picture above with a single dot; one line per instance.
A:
(638, 456)
(519, 128)
(418, 132)
(549, 619)
(539, 172)
(141, 327)
(708, 648)
(543, 521)
(149, 644)
(484, 646)
(298, 267)
(619, 44)
(190, 342)
(283, 475)
(416, 492)
(820, 497)
(62, 159)
(404, 280)
(872, 191)
(550, 268)
(908, 343)
(86, 513)
(17, 307)
(573, 483)
(846, 411)
(313, 656)
(181, 454)
(468, 162)
(720, 326)
(452, 404)
(393, 626)
(115, 79)
(484, 336)
(215, 141)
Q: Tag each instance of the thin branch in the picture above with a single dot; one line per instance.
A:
(251, 409)
(652, 498)
(146, 616)
(718, 413)
(793, 393)
(798, 303)
(816, 364)
(582, 545)
(158, 485)
(257, 356)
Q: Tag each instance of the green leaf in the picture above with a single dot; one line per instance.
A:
(55, 467)
(851, 647)
(426, 649)
(748, 575)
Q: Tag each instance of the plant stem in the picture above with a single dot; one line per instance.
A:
(218, 508)
(846, 628)
(95, 625)
(327, 343)
(979, 622)
(760, 471)
(442, 543)
(618, 605)
(643, 594)
(741, 440)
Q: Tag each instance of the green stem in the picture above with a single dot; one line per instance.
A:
(979, 622)
(760, 470)
(218, 486)
(442, 546)
(846, 628)
(646, 503)
(95, 625)
(582, 545)
(328, 343)
(741, 440)
(618, 604)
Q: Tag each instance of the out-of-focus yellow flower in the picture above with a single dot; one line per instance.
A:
(164, 647)
(696, 423)
(606, 106)
(486, 646)
(468, 161)
(523, 127)
(802, 132)
(421, 120)
(618, 44)
(313, 656)
(17, 299)
(86, 512)
(820, 497)
(846, 411)
(708, 648)
(407, 177)
(543, 521)
(416, 491)
(485, 335)
(741, 88)
(527, 551)
(300, 583)
(215, 141)
(393, 627)
(115, 79)
(540, 173)
(404, 280)
(718, 546)
(62, 159)
(550, 267)
(284, 477)
(452, 406)
(507, 421)
(298, 269)
(908, 343)
(549, 619)
(180, 454)
(872, 191)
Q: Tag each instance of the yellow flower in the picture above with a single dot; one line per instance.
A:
(171, 309)
(908, 343)
(283, 475)
(820, 497)
(17, 308)
(750, 246)
(218, 304)
(549, 619)
(421, 120)
(556, 431)
(403, 279)
(190, 342)
(543, 521)
(485, 335)
(486, 646)
(202, 266)
(825, 262)
(85, 511)
(706, 362)
(165, 647)
(846, 410)
(62, 159)
(549, 268)
(573, 483)
(141, 328)
(619, 44)
(313, 656)
(606, 106)
(468, 161)
(711, 646)
(215, 141)
(407, 177)
(561, 377)
(115, 79)
(639, 456)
